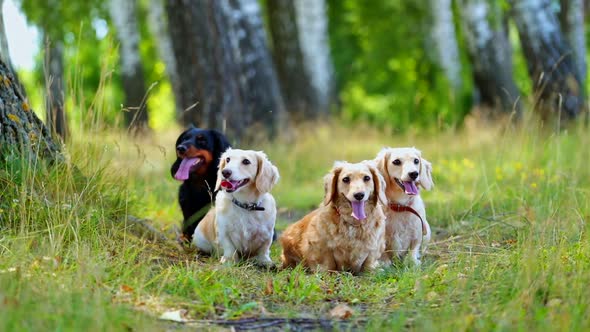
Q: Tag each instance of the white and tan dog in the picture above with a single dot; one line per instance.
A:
(243, 221)
(346, 233)
(407, 231)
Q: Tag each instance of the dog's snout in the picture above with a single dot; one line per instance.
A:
(181, 149)
(413, 175)
(359, 196)
(226, 173)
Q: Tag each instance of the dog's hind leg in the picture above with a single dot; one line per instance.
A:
(201, 242)
(414, 252)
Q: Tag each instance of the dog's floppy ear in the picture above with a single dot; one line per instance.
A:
(331, 184)
(426, 174)
(220, 143)
(382, 163)
(268, 174)
(379, 184)
(219, 169)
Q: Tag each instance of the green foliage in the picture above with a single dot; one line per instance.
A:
(384, 66)
(93, 81)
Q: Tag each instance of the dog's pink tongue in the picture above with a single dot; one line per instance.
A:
(358, 210)
(184, 168)
(229, 185)
(410, 188)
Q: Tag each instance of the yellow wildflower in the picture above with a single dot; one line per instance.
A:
(539, 172)
(13, 118)
(468, 163)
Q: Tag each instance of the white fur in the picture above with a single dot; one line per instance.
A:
(404, 229)
(239, 232)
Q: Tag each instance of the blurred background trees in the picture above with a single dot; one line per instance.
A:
(258, 66)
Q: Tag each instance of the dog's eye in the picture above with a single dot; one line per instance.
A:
(346, 179)
(367, 178)
(246, 162)
(397, 162)
(416, 161)
(227, 160)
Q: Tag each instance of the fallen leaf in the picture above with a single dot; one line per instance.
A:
(175, 316)
(269, 287)
(341, 311)
(126, 288)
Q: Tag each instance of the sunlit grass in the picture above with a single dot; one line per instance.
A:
(509, 214)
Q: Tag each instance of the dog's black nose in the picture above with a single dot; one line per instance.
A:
(413, 175)
(359, 196)
(226, 173)
(181, 149)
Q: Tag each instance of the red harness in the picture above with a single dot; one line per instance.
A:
(406, 208)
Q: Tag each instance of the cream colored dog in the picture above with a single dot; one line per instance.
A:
(407, 230)
(243, 221)
(346, 233)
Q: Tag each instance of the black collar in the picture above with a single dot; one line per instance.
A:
(247, 206)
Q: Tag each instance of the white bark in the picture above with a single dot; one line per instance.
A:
(123, 14)
(475, 17)
(312, 25)
(491, 54)
(158, 24)
(445, 41)
(4, 56)
(538, 21)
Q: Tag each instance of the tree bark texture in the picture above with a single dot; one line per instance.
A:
(550, 60)
(20, 128)
(299, 30)
(158, 24)
(491, 55)
(228, 79)
(55, 89)
(445, 41)
(124, 16)
(571, 17)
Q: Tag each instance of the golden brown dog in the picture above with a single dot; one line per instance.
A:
(347, 232)
(407, 230)
(244, 216)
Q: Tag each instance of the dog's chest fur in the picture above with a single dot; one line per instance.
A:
(247, 230)
(351, 245)
(404, 228)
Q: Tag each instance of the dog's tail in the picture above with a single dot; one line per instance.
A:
(425, 239)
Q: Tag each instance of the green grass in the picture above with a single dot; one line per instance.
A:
(509, 213)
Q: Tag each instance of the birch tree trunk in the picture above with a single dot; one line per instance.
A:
(124, 16)
(571, 17)
(4, 53)
(20, 128)
(55, 89)
(299, 30)
(158, 24)
(257, 77)
(228, 79)
(550, 60)
(445, 41)
(491, 55)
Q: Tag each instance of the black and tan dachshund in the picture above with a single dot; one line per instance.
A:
(197, 151)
